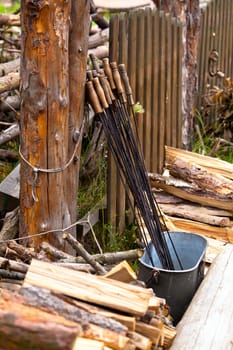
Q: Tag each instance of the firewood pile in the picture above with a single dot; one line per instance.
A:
(196, 194)
(51, 300)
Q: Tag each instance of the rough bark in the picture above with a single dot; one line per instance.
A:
(53, 74)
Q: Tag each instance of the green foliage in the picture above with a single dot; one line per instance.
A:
(12, 9)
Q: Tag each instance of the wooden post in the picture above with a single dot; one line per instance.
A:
(52, 90)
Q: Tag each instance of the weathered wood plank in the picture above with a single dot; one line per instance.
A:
(91, 288)
(208, 322)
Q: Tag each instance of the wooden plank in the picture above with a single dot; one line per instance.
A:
(168, 63)
(155, 91)
(161, 96)
(95, 289)
(208, 322)
(147, 87)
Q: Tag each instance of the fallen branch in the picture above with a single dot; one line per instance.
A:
(82, 251)
(9, 133)
(9, 82)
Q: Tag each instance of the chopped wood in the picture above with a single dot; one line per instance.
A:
(98, 39)
(40, 330)
(9, 230)
(213, 164)
(57, 304)
(87, 344)
(24, 254)
(79, 248)
(191, 194)
(196, 213)
(91, 288)
(12, 265)
(128, 321)
(122, 272)
(141, 342)
(4, 274)
(153, 333)
(220, 233)
(207, 323)
(201, 176)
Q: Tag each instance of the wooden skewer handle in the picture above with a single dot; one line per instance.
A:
(108, 72)
(117, 77)
(125, 79)
(100, 93)
(93, 98)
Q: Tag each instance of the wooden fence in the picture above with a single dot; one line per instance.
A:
(216, 35)
(149, 43)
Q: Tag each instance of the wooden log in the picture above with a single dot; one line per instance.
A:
(128, 321)
(153, 333)
(9, 230)
(196, 213)
(9, 20)
(11, 66)
(9, 133)
(57, 304)
(87, 344)
(100, 38)
(9, 155)
(212, 164)
(111, 257)
(199, 175)
(191, 194)
(82, 251)
(220, 233)
(40, 330)
(113, 294)
(9, 82)
(141, 342)
(23, 253)
(13, 265)
(207, 323)
(122, 272)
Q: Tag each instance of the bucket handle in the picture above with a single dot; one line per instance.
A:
(154, 278)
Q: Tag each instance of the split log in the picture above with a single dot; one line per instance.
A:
(212, 164)
(196, 213)
(216, 232)
(122, 272)
(191, 194)
(114, 294)
(141, 342)
(128, 321)
(153, 333)
(40, 330)
(57, 304)
(199, 175)
(207, 323)
(9, 133)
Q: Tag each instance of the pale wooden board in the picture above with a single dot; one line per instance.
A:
(121, 4)
(91, 288)
(208, 321)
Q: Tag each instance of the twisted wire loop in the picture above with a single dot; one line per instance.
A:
(36, 169)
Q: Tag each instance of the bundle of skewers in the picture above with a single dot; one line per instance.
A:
(110, 95)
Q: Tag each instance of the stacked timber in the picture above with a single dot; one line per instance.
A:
(196, 194)
(59, 308)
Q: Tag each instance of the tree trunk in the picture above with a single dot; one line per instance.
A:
(53, 74)
(188, 13)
